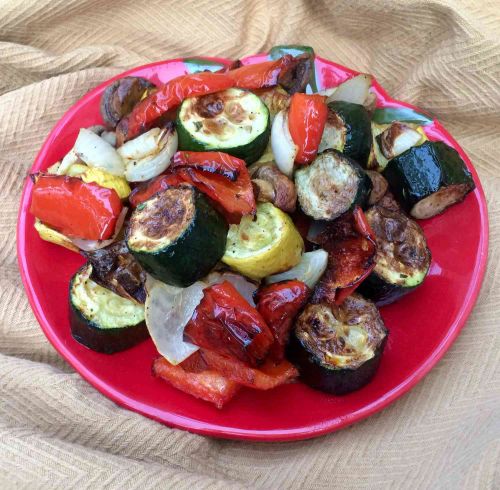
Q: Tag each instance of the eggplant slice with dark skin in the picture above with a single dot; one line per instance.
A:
(115, 268)
(120, 97)
(337, 348)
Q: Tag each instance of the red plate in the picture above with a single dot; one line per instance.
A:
(422, 325)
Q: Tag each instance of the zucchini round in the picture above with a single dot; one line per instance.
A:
(100, 319)
(337, 349)
(332, 185)
(177, 236)
(429, 178)
(403, 258)
(233, 121)
(356, 134)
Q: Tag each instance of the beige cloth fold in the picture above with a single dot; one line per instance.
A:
(56, 431)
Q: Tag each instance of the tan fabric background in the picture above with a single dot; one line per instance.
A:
(56, 431)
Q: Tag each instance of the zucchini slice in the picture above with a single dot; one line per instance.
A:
(177, 236)
(233, 121)
(429, 178)
(331, 185)
(337, 349)
(348, 130)
(402, 259)
(100, 319)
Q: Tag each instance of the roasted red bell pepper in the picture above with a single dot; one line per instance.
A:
(214, 162)
(222, 177)
(279, 304)
(224, 322)
(259, 75)
(75, 208)
(268, 376)
(148, 189)
(306, 122)
(201, 382)
(147, 112)
(351, 247)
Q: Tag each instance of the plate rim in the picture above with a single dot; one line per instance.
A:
(215, 430)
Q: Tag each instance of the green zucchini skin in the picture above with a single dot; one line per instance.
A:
(403, 257)
(358, 137)
(382, 292)
(423, 170)
(325, 378)
(104, 340)
(193, 253)
(337, 348)
(249, 152)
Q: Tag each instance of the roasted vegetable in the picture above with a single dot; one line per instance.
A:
(297, 75)
(402, 259)
(120, 97)
(116, 269)
(332, 185)
(49, 235)
(279, 304)
(337, 349)
(224, 322)
(150, 110)
(194, 378)
(379, 186)
(100, 319)
(234, 121)
(351, 248)
(264, 245)
(429, 178)
(75, 208)
(306, 121)
(274, 187)
(176, 235)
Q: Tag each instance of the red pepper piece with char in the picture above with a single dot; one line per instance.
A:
(225, 323)
(259, 75)
(75, 208)
(279, 304)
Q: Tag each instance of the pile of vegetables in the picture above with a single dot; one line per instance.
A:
(247, 223)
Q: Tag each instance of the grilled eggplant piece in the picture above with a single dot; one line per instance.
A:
(119, 98)
(429, 178)
(337, 349)
(402, 260)
(115, 268)
(331, 185)
(295, 77)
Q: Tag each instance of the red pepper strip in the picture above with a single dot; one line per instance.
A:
(234, 199)
(148, 189)
(259, 75)
(206, 384)
(226, 323)
(351, 248)
(214, 162)
(268, 376)
(306, 122)
(75, 208)
(147, 112)
(279, 304)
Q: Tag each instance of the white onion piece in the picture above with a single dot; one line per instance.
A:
(154, 164)
(354, 90)
(142, 146)
(284, 149)
(245, 287)
(69, 159)
(316, 227)
(110, 137)
(91, 245)
(96, 152)
(168, 310)
(327, 92)
(309, 270)
(97, 129)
